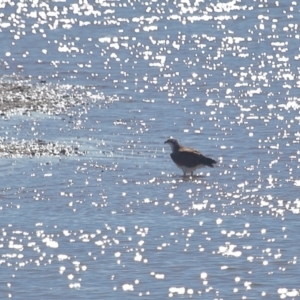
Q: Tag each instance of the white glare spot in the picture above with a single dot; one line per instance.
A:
(219, 221)
(127, 287)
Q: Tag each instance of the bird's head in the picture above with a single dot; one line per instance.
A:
(174, 144)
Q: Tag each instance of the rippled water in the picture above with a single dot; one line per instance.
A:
(118, 220)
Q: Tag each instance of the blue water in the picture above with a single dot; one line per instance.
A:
(120, 221)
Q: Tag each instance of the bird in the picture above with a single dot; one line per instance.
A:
(188, 159)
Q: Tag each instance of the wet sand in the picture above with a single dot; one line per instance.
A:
(36, 148)
(25, 98)
(22, 97)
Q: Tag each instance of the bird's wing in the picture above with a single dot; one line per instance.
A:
(190, 150)
(191, 158)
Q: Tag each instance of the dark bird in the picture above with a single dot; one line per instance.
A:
(188, 159)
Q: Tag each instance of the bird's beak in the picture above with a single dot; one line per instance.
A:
(166, 142)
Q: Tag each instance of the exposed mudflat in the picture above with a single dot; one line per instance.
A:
(36, 148)
(21, 97)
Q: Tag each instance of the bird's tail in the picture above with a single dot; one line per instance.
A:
(210, 162)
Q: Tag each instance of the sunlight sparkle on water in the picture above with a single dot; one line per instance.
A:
(105, 208)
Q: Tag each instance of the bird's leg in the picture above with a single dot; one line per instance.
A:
(184, 173)
(192, 173)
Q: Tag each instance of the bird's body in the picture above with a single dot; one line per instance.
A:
(188, 159)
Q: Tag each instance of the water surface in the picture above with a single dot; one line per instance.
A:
(118, 220)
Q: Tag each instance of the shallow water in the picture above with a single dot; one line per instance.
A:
(119, 220)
